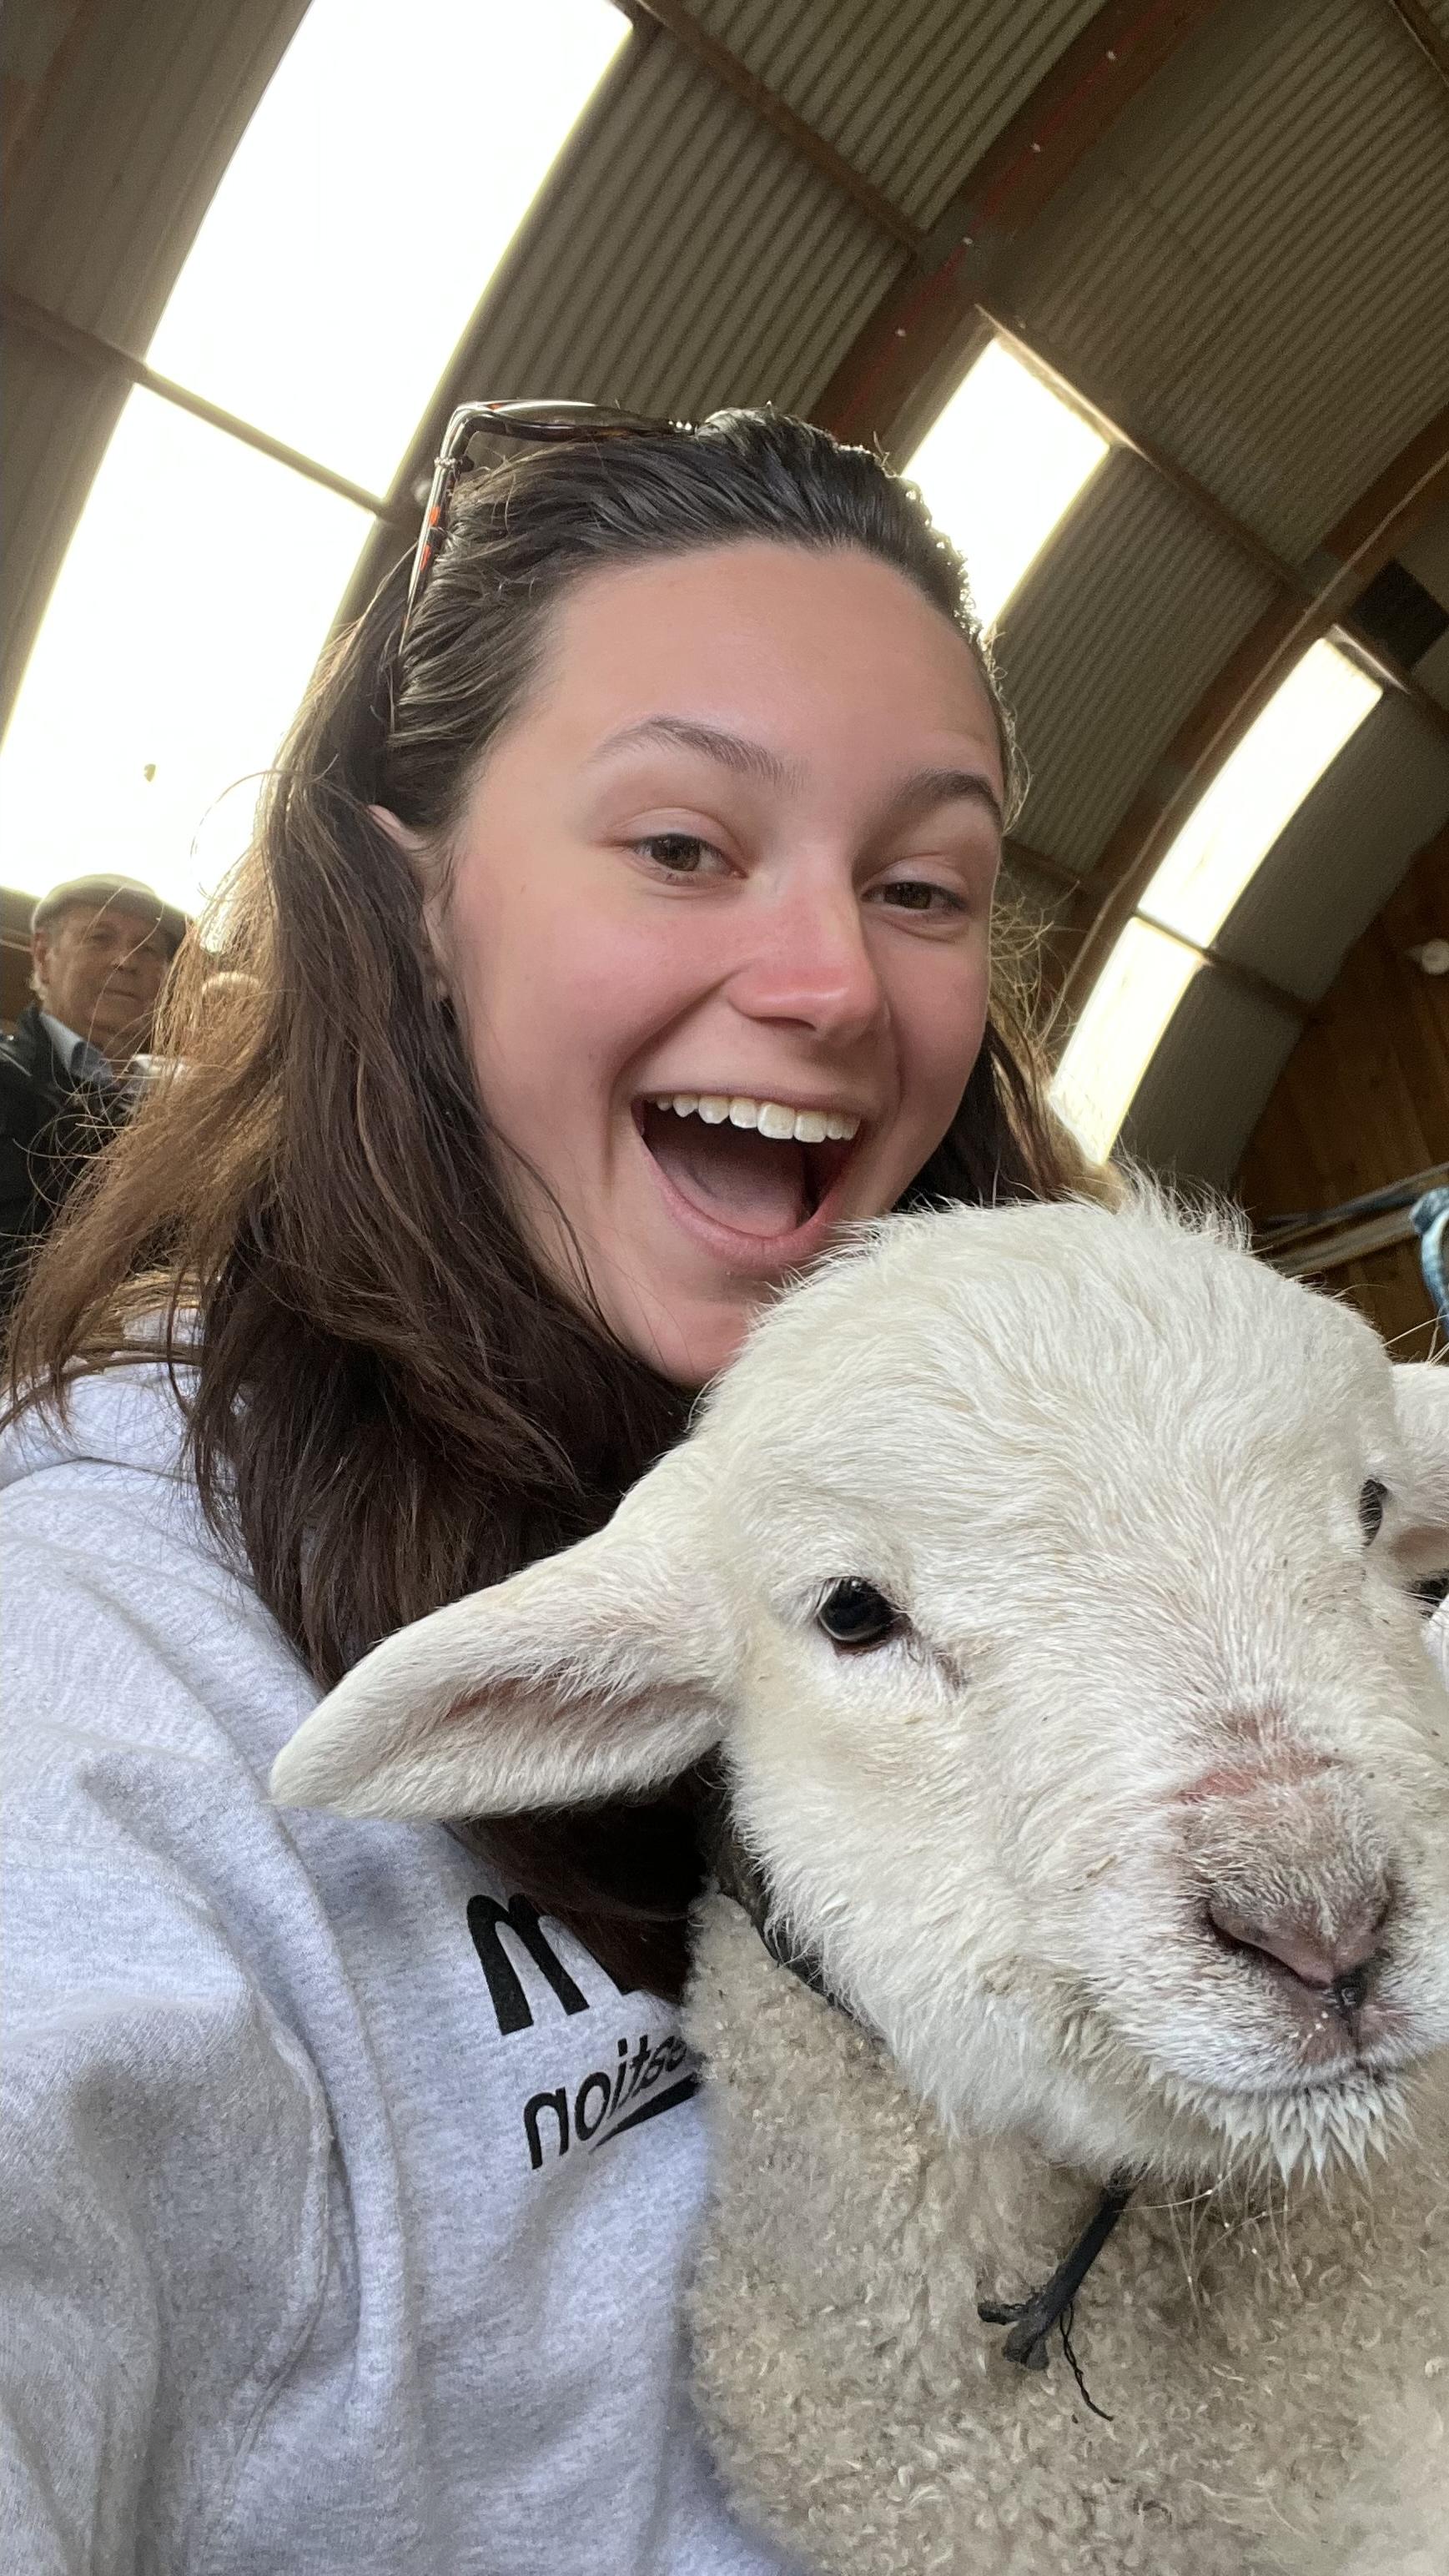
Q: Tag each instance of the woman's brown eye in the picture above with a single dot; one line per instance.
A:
(854, 1615)
(1371, 1501)
(677, 850)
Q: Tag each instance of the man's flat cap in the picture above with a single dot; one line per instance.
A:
(125, 894)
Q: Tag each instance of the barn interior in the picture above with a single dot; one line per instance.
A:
(1152, 298)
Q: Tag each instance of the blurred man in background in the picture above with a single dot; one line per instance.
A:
(100, 949)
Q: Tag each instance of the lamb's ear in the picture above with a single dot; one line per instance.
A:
(1421, 1525)
(595, 1674)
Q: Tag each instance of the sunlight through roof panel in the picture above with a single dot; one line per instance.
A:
(1121, 1026)
(384, 172)
(1235, 822)
(1000, 468)
(187, 615)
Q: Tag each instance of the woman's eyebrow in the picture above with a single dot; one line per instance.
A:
(732, 750)
(915, 795)
(930, 787)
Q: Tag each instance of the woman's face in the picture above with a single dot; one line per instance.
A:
(716, 925)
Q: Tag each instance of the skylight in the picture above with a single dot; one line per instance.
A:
(1122, 1023)
(1234, 824)
(379, 182)
(183, 626)
(1225, 839)
(1000, 468)
(383, 174)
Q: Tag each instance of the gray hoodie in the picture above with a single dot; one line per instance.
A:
(344, 2205)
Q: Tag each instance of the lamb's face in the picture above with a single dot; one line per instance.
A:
(1135, 1826)
(1123, 1811)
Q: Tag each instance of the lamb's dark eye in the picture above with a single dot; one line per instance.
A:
(854, 1614)
(1371, 1501)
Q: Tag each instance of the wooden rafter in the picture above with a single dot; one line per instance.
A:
(774, 111)
(922, 319)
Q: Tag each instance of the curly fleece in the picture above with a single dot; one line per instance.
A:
(1276, 2371)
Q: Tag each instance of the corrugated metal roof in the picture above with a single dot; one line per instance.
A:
(129, 150)
(1110, 640)
(910, 92)
(684, 257)
(1254, 265)
(1344, 851)
(1199, 1128)
(133, 131)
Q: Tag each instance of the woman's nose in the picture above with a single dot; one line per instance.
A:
(810, 963)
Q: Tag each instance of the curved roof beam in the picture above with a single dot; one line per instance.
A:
(897, 369)
(1414, 18)
(773, 111)
(1408, 492)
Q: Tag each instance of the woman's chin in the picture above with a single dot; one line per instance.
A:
(689, 1338)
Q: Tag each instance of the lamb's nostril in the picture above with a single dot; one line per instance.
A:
(1333, 1957)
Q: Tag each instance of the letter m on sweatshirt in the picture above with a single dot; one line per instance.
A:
(487, 1921)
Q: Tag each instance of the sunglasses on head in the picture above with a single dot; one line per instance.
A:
(539, 424)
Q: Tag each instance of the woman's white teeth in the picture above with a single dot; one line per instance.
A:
(804, 1126)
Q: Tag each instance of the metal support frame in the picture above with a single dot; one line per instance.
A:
(1264, 988)
(103, 357)
(1408, 492)
(1295, 580)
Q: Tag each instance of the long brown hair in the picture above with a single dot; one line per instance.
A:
(388, 1404)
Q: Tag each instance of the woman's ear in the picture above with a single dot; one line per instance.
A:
(415, 850)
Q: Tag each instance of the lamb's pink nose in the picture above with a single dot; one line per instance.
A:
(1335, 1957)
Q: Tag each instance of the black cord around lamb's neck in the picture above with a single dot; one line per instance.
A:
(1032, 2320)
(738, 1875)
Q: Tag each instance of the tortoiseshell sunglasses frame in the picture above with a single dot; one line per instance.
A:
(541, 424)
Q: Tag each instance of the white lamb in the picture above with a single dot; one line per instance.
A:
(1043, 1576)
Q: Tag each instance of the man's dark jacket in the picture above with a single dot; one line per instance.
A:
(49, 1128)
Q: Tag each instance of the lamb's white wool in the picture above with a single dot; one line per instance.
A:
(1130, 1843)
(1274, 2364)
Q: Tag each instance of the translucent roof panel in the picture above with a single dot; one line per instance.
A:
(385, 170)
(1236, 821)
(1118, 1033)
(184, 624)
(999, 468)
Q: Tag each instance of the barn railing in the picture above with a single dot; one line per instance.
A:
(1313, 1243)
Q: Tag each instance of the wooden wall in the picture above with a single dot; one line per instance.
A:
(1364, 1098)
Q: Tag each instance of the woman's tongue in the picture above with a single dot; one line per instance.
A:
(733, 1174)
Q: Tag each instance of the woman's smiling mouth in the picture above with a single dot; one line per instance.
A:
(757, 1179)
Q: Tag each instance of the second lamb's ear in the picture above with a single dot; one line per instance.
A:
(595, 1674)
(1421, 1401)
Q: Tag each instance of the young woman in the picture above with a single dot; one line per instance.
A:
(618, 927)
